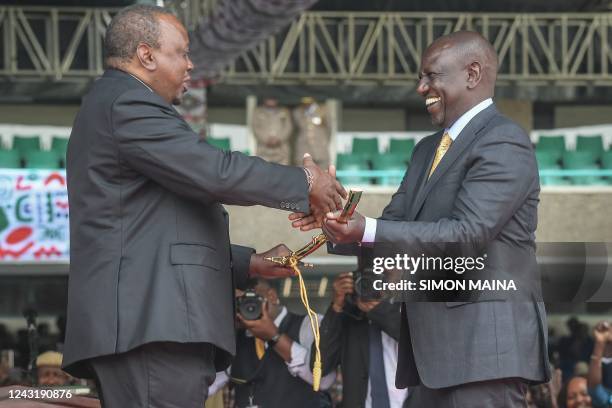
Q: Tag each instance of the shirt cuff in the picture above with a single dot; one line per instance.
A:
(298, 358)
(369, 232)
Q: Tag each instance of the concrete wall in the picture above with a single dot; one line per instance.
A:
(372, 120)
(581, 115)
(29, 114)
(519, 110)
(579, 216)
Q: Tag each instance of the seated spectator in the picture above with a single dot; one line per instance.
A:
(575, 394)
(600, 367)
(48, 370)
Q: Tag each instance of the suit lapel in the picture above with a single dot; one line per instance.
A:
(463, 140)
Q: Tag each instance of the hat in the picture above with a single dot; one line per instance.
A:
(49, 358)
(307, 100)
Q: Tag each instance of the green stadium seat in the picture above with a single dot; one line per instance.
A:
(574, 160)
(42, 159)
(367, 146)
(220, 143)
(592, 143)
(349, 161)
(389, 161)
(401, 146)
(59, 144)
(548, 161)
(9, 159)
(554, 144)
(606, 163)
(26, 143)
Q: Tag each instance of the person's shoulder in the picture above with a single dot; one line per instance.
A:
(504, 127)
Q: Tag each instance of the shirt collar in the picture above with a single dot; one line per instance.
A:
(280, 316)
(140, 80)
(464, 119)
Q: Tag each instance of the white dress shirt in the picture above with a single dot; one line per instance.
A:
(396, 396)
(369, 233)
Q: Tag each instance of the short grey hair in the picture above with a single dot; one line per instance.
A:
(131, 26)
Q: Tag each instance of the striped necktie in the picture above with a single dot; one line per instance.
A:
(441, 151)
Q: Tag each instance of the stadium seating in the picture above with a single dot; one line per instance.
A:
(59, 144)
(606, 163)
(584, 160)
(42, 159)
(352, 162)
(552, 144)
(389, 161)
(9, 159)
(548, 161)
(26, 143)
(401, 146)
(593, 144)
(221, 143)
(365, 146)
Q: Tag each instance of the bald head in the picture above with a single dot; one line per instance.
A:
(457, 72)
(469, 47)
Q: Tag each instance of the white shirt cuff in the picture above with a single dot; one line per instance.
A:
(369, 233)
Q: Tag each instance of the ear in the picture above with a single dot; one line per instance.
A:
(474, 74)
(144, 52)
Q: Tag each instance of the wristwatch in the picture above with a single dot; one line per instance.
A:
(272, 342)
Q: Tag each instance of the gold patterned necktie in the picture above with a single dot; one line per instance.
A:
(260, 348)
(440, 152)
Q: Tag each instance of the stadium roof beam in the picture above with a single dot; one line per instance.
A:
(331, 48)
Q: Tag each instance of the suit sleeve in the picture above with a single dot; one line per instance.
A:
(241, 260)
(330, 342)
(388, 317)
(154, 141)
(503, 173)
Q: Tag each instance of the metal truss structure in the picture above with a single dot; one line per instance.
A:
(328, 48)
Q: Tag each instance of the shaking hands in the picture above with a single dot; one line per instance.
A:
(325, 194)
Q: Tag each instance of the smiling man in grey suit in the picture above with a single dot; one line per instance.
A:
(150, 298)
(474, 183)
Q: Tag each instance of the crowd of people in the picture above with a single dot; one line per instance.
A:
(274, 373)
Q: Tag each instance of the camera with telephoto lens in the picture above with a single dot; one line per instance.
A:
(249, 305)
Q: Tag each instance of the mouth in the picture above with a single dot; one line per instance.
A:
(432, 100)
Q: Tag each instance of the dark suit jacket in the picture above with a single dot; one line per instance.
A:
(345, 341)
(484, 193)
(150, 250)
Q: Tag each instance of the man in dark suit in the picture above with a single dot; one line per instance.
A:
(475, 183)
(361, 336)
(150, 298)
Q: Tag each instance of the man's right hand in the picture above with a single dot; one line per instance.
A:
(343, 285)
(326, 192)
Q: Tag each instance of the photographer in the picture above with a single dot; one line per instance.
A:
(361, 335)
(271, 368)
(600, 367)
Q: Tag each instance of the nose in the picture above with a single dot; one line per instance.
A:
(189, 64)
(422, 86)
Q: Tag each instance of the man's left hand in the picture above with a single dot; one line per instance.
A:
(262, 268)
(262, 328)
(340, 233)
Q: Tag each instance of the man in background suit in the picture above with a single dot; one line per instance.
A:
(150, 298)
(361, 336)
(473, 183)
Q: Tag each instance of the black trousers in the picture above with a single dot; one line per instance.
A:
(156, 375)
(504, 393)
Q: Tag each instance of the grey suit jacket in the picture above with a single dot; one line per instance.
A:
(150, 249)
(483, 193)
